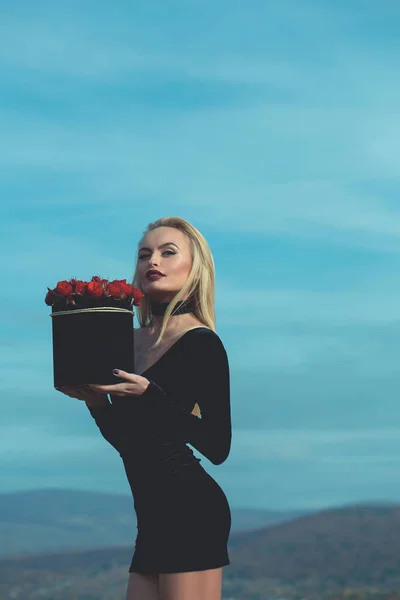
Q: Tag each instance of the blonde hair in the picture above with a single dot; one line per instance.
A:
(199, 286)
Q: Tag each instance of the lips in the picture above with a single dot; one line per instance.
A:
(154, 275)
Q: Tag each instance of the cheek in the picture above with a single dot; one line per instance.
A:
(140, 271)
(184, 268)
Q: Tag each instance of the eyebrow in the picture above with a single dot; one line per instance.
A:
(160, 246)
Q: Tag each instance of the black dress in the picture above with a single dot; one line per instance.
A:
(183, 515)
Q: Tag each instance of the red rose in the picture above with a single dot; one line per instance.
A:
(129, 290)
(114, 289)
(126, 289)
(50, 298)
(95, 289)
(137, 295)
(121, 282)
(63, 288)
(79, 286)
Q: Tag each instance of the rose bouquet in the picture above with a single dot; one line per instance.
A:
(92, 327)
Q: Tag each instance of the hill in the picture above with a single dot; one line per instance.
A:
(53, 520)
(352, 546)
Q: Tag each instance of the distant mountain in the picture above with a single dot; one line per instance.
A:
(332, 549)
(353, 545)
(54, 520)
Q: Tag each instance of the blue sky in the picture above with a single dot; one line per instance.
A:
(274, 128)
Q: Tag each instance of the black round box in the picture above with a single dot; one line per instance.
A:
(89, 343)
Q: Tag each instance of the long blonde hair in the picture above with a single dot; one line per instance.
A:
(200, 284)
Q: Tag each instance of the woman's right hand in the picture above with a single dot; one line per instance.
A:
(85, 394)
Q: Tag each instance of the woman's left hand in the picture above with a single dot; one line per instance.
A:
(135, 385)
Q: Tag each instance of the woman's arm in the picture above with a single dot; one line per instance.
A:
(202, 377)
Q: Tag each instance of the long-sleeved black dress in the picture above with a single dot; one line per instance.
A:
(183, 516)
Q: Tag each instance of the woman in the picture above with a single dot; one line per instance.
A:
(179, 393)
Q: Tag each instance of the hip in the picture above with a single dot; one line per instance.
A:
(189, 489)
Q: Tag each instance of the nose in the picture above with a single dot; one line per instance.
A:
(153, 263)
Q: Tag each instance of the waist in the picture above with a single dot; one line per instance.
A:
(157, 462)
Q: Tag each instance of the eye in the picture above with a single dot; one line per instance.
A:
(166, 251)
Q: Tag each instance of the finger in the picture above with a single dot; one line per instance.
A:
(124, 375)
(65, 390)
(85, 394)
(75, 392)
(72, 393)
(105, 389)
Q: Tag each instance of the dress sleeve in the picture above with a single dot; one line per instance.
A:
(202, 377)
(106, 421)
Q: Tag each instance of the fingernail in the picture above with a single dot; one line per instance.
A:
(115, 371)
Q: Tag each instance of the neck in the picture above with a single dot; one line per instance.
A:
(158, 309)
(182, 314)
(176, 323)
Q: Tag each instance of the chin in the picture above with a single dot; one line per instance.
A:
(150, 285)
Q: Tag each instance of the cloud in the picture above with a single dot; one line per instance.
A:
(27, 443)
(269, 137)
(277, 135)
(315, 308)
(315, 447)
(235, 192)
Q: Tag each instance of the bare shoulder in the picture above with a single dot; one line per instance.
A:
(137, 331)
(138, 337)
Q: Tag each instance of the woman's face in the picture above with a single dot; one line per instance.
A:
(165, 249)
